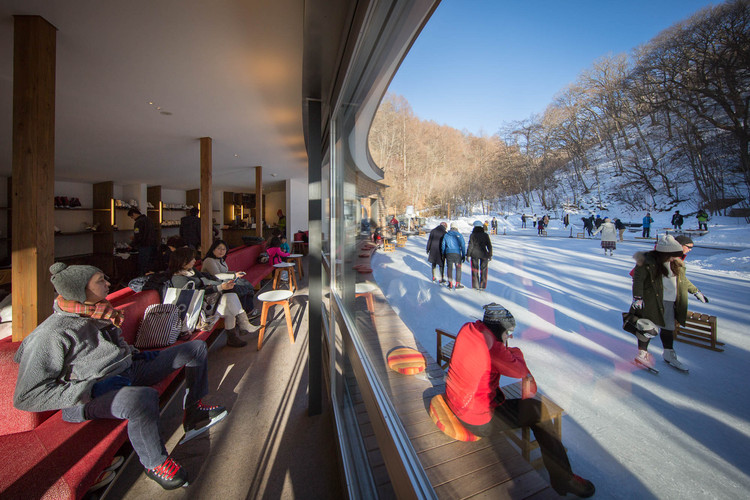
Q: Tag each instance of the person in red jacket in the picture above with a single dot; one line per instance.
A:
(480, 356)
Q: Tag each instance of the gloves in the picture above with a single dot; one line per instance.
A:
(701, 297)
(145, 355)
(528, 387)
(109, 384)
(637, 303)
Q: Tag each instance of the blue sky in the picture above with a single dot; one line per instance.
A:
(478, 64)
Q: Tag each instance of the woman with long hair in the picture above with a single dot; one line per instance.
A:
(214, 263)
(229, 307)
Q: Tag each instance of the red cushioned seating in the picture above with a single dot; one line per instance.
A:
(245, 258)
(47, 458)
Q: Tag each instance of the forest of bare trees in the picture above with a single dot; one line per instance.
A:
(669, 119)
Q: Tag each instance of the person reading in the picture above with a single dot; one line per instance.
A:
(480, 357)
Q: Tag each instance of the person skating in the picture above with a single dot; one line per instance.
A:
(480, 253)
(677, 220)
(647, 221)
(588, 224)
(660, 294)
(702, 217)
(609, 236)
(620, 229)
(454, 250)
(480, 357)
(76, 360)
(434, 250)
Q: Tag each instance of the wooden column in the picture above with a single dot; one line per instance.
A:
(259, 215)
(33, 250)
(207, 234)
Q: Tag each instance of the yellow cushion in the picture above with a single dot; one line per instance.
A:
(406, 360)
(447, 421)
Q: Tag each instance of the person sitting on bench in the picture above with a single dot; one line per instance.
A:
(76, 360)
(480, 357)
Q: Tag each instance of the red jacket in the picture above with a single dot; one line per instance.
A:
(477, 362)
(276, 255)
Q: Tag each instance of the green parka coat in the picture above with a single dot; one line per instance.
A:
(647, 284)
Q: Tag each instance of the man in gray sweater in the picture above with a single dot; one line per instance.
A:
(76, 360)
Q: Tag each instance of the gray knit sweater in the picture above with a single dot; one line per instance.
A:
(64, 357)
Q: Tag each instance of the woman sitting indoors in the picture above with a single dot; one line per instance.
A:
(229, 307)
(215, 264)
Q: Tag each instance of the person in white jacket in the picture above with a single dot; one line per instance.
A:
(609, 236)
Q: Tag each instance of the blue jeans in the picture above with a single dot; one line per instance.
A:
(139, 403)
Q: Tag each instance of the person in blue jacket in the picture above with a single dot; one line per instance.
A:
(454, 250)
(647, 220)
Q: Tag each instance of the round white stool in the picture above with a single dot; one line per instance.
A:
(285, 266)
(297, 258)
(365, 290)
(272, 298)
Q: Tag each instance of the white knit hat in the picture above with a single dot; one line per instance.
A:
(667, 244)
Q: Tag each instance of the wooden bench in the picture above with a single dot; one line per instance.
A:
(388, 246)
(401, 240)
(700, 329)
(580, 235)
(520, 437)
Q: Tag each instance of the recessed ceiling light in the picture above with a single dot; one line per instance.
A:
(150, 103)
(236, 156)
(166, 113)
(273, 175)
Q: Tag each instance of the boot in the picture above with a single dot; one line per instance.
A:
(580, 487)
(671, 358)
(645, 359)
(170, 475)
(233, 340)
(243, 323)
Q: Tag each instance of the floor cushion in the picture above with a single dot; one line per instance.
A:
(447, 421)
(406, 360)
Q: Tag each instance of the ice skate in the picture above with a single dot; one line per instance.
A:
(671, 358)
(645, 360)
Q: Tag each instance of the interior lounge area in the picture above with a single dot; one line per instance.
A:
(250, 111)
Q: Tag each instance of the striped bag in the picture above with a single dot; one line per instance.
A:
(160, 326)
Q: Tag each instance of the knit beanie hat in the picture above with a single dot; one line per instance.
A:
(667, 244)
(498, 317)
(684, 240)
(478, 223)
(454, 227)
(71, 281)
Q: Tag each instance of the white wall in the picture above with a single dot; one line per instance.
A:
(297, 217)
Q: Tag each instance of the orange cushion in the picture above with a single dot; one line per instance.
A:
(406, 360)
(447, 421)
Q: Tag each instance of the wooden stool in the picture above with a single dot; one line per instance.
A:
(365, 290)
(388, 246)
(285, 266)
(272, 298)
(297, 259)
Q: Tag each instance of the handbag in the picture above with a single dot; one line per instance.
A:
(160, 326)
(189, 302)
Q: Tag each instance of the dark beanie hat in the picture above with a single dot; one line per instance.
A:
(684, 240)
(496, 315)
(71, 281)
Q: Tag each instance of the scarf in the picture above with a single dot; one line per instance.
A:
(101, 310)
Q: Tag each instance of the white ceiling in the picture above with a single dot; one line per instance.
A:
(226, 69)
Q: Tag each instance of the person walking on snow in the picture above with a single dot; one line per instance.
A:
(620, 228)
(702, 217)
(454, 250)
(434, 250)
(493, 225)
(647, 221)
(609, 236)
(660, 295)
(523, 221)
(480, 253)
(480, 357)
(588, 224)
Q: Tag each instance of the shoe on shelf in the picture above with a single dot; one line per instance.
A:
(645, 359)
(170, 475)
(199, 418)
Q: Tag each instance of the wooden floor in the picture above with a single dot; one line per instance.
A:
(488, 468)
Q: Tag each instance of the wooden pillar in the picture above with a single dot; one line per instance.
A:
(207, 234)
(34, 46)
(259, 215)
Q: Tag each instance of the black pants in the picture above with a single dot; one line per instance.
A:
(479, 273)
(667, 340)
(703, 226)
(646, 232)
(453, 260)
(441, 264)
(515, 413)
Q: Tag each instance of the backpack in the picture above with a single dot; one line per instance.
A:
(263, 258)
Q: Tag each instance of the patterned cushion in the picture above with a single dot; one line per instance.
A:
(406, 360)
(447, 422)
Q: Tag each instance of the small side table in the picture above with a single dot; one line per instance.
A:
(272, 298)
(365, 290)
(285, 266)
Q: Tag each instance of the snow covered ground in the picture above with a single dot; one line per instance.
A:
(633, 433)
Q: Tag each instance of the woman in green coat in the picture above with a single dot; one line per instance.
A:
(660, 294)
